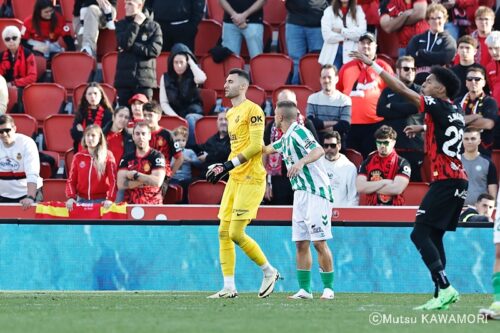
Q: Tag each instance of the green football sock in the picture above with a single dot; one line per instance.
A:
(496, 287)
(327, 278)
(304, 278)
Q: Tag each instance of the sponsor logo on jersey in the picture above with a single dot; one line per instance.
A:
(461, 194)
(7, 163)
(256, 119)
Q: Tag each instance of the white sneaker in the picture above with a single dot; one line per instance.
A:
(225, 293)
(110, 25)
(267, 286)
(327, 294)
(301, 294)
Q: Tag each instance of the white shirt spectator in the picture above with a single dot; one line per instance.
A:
(342, 174)
(4, 95)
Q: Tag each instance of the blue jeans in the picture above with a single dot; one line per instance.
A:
(339, 58)
(232, 37)
(299, 41)
(192, 118)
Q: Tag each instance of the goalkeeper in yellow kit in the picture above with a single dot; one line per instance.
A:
(246, 186)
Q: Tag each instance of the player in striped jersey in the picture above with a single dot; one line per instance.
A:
(312, 200)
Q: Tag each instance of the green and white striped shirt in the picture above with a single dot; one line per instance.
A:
(296, 143)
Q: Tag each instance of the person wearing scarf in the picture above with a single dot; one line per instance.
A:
(384, 175)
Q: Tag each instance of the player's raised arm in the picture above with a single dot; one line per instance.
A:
(392, 82)
(311, 157)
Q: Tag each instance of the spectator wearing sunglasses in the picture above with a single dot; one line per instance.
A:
(467, 50)
(482, 211)
(384, 175)
(398, 113)
(480, 109)
(17, 63)
(341, 172)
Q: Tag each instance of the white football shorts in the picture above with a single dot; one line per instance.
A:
(311, 217)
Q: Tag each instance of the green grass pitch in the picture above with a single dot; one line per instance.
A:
(191, 312)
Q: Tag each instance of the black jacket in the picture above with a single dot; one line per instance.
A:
(307, 13)
(181, 91)
(217, 150)
(432, 49)
(177, 10)
(138, 48)
(400, 114)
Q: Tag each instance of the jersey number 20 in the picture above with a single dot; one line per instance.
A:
(451, 147)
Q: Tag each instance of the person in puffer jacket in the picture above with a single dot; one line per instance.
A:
(92, 177)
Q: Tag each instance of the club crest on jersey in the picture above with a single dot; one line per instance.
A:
(161, 142)
(82, 164)
(146, 167)
(19, 156)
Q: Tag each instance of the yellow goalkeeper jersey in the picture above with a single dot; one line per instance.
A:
(244, 120)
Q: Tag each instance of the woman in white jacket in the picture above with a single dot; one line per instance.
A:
(341, 25)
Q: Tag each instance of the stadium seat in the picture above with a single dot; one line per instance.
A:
(108, 63)
(43, 99)
(270, 70)
(215, 10)
(63, 69)
(12, 98)
(25, 124)
(161, 65)
(109, 90)
(388, 43)
(209, 33)
(254, 93)
(106, 43)
(54, 190)
(23, 8)
(205, 128)
(302, 92)
(68, 158)
(282, 38)
(41, 67)
(354, 156)
(202, 192)
(46, 170)
(274, 13)
(172, 122)
(390, 61)
(217, 73)
(4, 22)
(67, 9)
(310, 71)
(363, 201)
(266, 41)
(209, 98)
(414, 193)
(174, 194)
(56, 129)
(120, 10)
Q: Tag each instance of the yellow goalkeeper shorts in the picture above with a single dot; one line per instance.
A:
(241, 201)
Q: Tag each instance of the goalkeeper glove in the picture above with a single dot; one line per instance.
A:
(218, 170)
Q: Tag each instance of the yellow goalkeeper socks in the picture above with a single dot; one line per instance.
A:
(227, 252)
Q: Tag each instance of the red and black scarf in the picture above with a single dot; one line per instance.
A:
(383, 167)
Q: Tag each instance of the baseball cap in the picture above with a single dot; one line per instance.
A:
(138, 97)
(368, 35)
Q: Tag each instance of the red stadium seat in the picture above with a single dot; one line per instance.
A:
(12, 98)
(388, 43)
(172, 122)
(68, 158)
(23, 8)
(4, 22)
(217, 73)
(414, 193)
(202, 192)
(25, 124)
(310, 71)
(45, 168)
(254, 93)
(161, 65)
(43, 99)
(390, 61)
(54, 190)
(209, 98)
(205, 128)
(64, 73)
(354, 156)
(275, 13)
(67, 9)
(215, 10)
(174, 194)
(120, 10)
(56, 129)
(282, 38)
(270, 70)
(109, 90)
(108, 63)
(209, 33)
(106, 43)
(302, 93)
(41, 67)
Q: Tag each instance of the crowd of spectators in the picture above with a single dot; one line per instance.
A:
(353, 110)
